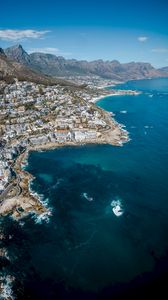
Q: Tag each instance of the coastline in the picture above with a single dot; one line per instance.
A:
(116, 93)
(111, 85)
(25, 201)
(96, 99)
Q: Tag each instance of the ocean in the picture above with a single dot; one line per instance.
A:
(84, 249)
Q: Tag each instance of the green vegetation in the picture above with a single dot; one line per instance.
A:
(29, 106)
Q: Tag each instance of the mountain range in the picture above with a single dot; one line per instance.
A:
(164, 69)
(11, 68)
(43, 66)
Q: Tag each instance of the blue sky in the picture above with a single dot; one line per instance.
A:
(122, 30)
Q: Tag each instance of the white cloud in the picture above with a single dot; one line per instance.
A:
(142, 38)
(16, 35)
(160, 50)
(49, 50)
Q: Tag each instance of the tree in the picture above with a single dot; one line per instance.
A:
(29, 106)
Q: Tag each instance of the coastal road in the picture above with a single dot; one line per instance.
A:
(6, 191)
(9, 188)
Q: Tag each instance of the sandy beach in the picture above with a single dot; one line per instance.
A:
(116, 93)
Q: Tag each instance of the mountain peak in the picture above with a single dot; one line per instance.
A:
(17, 46)
(17, 53)
(2, 51)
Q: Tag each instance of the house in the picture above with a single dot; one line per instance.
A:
(38, 140)
(63, 135)
(79, 136)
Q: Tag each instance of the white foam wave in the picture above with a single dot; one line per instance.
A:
(40, 197)
(21, 223)
(123, 111)
(42, 218)
(6, 287)
(147, 126)
(117, 207)
(87, 197)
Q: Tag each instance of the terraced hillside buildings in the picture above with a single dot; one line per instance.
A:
(34, 116)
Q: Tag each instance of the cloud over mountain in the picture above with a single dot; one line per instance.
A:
(50, 50)
(16, 35)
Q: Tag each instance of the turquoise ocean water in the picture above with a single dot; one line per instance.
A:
(84, 249)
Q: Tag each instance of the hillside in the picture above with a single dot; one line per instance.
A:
(164, 69)
(10, 69)
(52, 65)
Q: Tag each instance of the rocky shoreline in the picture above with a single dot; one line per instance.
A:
(25, 201)
(20, 201)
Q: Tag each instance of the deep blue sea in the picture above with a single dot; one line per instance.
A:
(84, 249)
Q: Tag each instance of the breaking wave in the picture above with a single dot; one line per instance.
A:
(117, 207)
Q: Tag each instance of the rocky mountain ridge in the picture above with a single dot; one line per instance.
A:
(53, 65)
(13, 68)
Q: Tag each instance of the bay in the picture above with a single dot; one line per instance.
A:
(84, 248)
